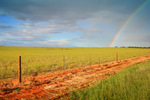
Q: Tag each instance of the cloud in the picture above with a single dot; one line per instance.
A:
(62, 42)
(5, 26)
(50, 10)
(109, 17)
(138, 37)
(43, 20)
(19, 42)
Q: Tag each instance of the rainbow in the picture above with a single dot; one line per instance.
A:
(128, 20)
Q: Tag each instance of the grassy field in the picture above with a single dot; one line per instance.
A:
(46, 59)
(130, 84)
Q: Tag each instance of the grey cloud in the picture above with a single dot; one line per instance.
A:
(37, 10)
(5, 26)
(62, 42)
(21, 42)
(109, 17)
(41, 10)
(138, 39)
(62, 16)
(83, 30)
(33, 31)
(69, 11)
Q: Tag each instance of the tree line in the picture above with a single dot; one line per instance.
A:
(133, 47)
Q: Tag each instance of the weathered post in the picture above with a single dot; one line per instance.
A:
(105, 60)
(64, 62)
(19, 69)
(89, 60)
(99, 62)
(117, 57)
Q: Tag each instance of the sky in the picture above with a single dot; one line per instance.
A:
(73, 23)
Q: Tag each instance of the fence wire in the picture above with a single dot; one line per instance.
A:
(57, 59)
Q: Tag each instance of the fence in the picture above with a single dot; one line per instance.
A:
(63, 63)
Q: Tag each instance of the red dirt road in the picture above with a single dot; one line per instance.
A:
(58, 84)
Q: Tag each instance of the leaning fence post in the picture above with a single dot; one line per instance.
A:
(64, 62)
(116, 56)
(19, 69)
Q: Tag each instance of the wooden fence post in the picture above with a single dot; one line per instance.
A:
(117, 57)
(64, 62)
(19, 69)
(89, 60)
(99, 62)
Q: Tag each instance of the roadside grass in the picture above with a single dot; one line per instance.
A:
(49, 59)
(130, 84)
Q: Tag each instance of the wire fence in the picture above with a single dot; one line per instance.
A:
(57, 63)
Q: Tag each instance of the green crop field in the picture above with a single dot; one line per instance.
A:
(49, 59)
(130, 84)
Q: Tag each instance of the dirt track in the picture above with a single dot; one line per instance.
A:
(58, 84)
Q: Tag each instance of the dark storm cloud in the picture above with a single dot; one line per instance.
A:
(43, 10)
(70, 10)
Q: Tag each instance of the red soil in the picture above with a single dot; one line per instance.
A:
(58, 84)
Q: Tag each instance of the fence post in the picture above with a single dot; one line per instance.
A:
(89, 60)
(64, 62)
(99, 61)
(116, 56)
(19, 69)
